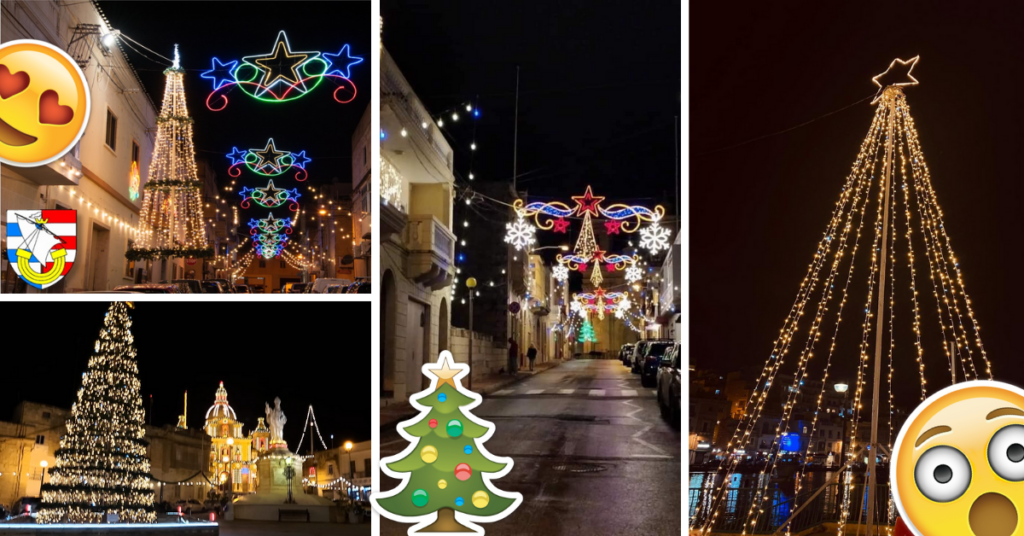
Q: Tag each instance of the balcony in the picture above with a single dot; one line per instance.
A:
(431, 248)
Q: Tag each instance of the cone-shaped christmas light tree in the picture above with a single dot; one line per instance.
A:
(889, 207)
(102, 467)
(171, 221)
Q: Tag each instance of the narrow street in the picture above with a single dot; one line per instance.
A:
(592, 454)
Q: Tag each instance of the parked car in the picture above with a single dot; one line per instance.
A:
(295, 288)
(3, 513)
(652, 362)
(152, 288)
(321, 285)
(107, 292)
(243, 289)
(670, 385)
(26, 506)
(359, 287)
(212, 286)
(228, 287)
(636, 358)
(625, 353)
(334, 289)
(188, 286)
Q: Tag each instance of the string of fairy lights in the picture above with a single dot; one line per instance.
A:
(891, 136)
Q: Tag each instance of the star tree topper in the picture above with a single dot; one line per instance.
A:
(890, 75)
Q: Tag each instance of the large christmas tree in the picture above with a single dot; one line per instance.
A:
(101, 466)
(445, 465)
(171, 221)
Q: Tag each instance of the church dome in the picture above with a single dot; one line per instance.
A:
(220, 408)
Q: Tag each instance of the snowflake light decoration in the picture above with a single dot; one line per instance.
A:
(520, 234)
(624, 304)
(654, 237)
(634, 274)
(576, 306)
(619, 313)
(560, 272)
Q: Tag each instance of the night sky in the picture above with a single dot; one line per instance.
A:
(305, 353)
(758, 209)
(230, 30)
(599, 90)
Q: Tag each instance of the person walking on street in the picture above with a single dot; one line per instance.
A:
(531, 354)
(513, 354)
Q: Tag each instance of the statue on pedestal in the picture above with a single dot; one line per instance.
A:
(276, 420)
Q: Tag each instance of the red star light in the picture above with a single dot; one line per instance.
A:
(561, 225)
(582, 267)
(598, 255)
(613, 227)
(587, 203)
(611, 267)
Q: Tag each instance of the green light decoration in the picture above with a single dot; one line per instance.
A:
(446, 473)
(587, 332)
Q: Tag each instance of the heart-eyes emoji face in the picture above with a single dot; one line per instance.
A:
(44, 103)
(958, 463)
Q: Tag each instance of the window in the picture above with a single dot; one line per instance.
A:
(282, 264)
(111, 130)
(366, 467)
(364, 155)
(263, 263)
(704, 427)
(40, 440)
(330, 469)
(46, 414)
(135, 152)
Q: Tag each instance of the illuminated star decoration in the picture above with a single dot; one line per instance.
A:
(270, 225)
(343, 61)
(281, 75)
(908, 81)
(613, 227)
(654, 237)
(446, 374)
(520, 234)
(282, 64)
(560, 272)
(237, 156)
(269, 156)
(221, 73)
(270, 197)
(561, 225)
(634, 274)
(587, 203)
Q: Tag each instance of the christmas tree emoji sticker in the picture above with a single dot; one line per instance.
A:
(446, 473)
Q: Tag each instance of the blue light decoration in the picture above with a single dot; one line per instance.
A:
(476, 112)
(790, 442)
(383, 134)
(270, 224)
(281, 75)
(270, 197)
(269, 161)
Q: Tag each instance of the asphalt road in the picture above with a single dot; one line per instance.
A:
(592, 454)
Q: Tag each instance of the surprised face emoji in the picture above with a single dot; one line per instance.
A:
(44, 103)
(958, 463)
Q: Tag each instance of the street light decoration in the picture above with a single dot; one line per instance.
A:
(270, 224)
(520, 233)
(282, 75)
(446, 472)
(102, 466)
(268, 161)
(270, 197)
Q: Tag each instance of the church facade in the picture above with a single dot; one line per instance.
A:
(232, 453)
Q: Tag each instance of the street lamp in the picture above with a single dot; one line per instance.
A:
(351, 467)
(471, 284)
(843, 387)
(42, 479)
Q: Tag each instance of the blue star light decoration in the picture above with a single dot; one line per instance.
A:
(343, 60)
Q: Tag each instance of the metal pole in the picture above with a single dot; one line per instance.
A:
(470, 380)
(880, 325)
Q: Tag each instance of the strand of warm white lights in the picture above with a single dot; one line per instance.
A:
(752, 410)
(305, 426)
(88, 202)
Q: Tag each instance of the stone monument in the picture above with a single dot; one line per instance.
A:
(279, 495)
